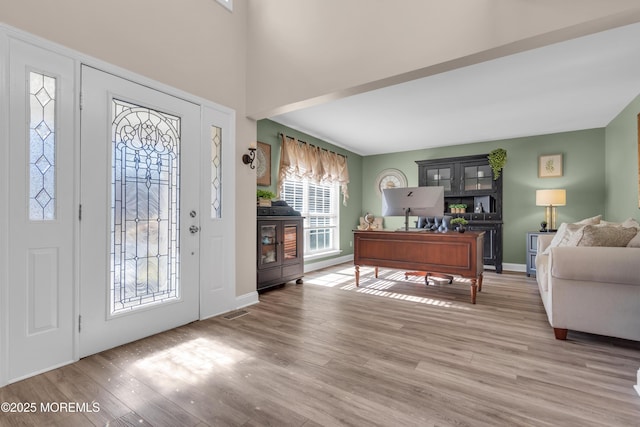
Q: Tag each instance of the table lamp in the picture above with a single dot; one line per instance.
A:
(550, 199)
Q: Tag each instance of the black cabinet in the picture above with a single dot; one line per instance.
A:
(492, 241)
(280, 250)
(469, 181)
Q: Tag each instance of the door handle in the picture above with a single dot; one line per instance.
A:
(194, 229)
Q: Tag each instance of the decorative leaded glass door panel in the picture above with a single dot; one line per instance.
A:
(140, 211)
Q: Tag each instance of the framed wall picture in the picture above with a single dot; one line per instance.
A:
(550, 166)
(263, 170)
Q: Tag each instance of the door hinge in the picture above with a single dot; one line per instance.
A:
(79, 323)
(80, 100)
(79, 212)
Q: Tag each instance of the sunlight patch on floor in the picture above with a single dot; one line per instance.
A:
(350, 270)
(403, 297)
(330, 279)
(396, 275)
(190, 361)
(380, 284)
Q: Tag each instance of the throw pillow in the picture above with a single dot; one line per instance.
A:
(635, 242)
(602, 235)
(590, 221)
(566, 230)
(629, 222)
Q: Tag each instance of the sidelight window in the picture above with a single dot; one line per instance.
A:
(42, 147)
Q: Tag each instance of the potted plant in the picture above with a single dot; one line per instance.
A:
(497, 159)
(462, 208)
(264, 197)
(459, 223)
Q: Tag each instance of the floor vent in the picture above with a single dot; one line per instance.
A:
(235, 314)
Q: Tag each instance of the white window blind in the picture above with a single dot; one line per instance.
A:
(320, 207)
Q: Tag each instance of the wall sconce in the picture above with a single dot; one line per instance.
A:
(550, 199)
(248, 159)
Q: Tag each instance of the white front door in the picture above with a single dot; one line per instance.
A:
(41, 211)
(139, 229)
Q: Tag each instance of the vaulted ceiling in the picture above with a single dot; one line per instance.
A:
(577, 84)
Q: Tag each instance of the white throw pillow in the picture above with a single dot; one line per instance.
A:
(635, 242)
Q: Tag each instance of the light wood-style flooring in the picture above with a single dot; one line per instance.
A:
(390, 353)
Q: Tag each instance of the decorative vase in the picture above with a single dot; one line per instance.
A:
(461, 229)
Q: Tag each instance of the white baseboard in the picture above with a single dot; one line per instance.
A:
(327, 263)
(247, 299)
(519, 268)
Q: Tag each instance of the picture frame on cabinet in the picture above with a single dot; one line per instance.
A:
(550, 166)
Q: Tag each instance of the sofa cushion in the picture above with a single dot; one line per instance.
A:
(595, 264)
(602, 235)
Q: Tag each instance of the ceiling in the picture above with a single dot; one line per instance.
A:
(578, 84)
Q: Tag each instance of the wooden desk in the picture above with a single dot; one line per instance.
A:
(451, 253)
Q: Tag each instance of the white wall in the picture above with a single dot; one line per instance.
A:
(303, 52)
(196, 46)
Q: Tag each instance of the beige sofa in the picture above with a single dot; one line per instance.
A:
(591, 289)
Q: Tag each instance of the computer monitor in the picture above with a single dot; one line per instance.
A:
(414, 201)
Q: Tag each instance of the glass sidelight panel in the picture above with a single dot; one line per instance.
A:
(42, 147)
(145, 207)
(216, 172)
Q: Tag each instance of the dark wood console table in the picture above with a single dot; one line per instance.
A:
(450, 253)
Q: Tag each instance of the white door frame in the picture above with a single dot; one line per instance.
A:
(207, 309)
(4, 207)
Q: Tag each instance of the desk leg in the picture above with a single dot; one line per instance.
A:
(480, 282)
(376, 270)
(474, 289)
(357, 275)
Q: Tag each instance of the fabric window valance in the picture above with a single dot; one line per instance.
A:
(299, 161)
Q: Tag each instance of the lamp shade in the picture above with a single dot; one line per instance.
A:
(555, 197)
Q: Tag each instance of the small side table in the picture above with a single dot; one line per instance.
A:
(532, 250)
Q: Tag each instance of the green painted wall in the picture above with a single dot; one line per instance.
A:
(621, 147)
(268, 132)
(584, 180)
